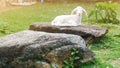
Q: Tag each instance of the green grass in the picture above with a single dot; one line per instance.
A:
(107, 49)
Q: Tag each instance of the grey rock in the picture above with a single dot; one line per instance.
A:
(32, 49)
(89, 33)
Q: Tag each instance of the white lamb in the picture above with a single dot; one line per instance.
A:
(70, 20)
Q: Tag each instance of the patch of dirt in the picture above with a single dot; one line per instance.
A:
(116, 63)
(8, 8)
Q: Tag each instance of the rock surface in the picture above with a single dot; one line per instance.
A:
(89, 33)
(32, 49)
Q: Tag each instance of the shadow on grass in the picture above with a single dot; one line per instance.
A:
(96, 63)
(109, 42)
(105, 42)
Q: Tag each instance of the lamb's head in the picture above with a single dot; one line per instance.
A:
(79, 10)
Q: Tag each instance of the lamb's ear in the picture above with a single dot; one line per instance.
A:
(73, 11)
(85, 12)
